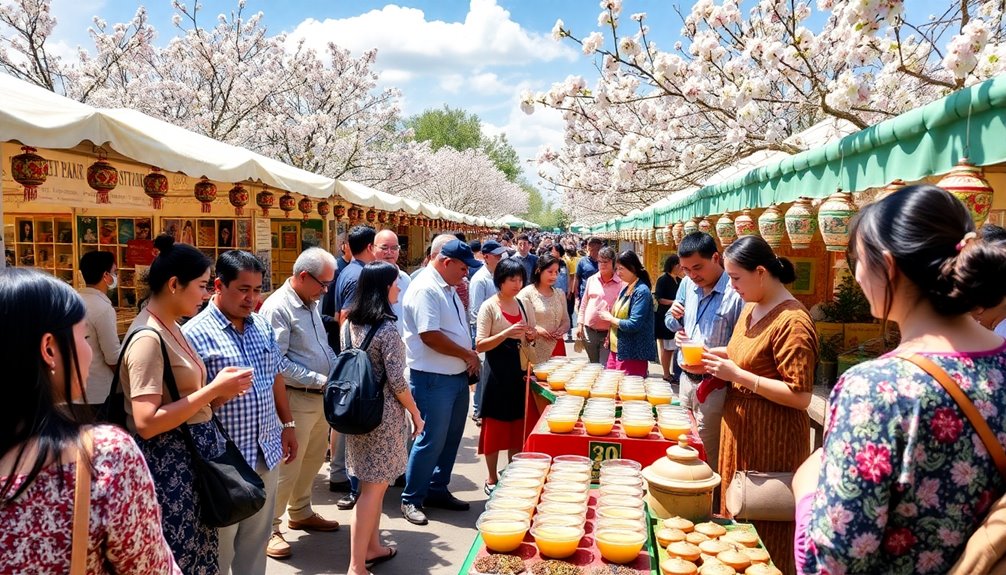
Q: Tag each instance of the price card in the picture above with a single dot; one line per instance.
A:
(599, 451)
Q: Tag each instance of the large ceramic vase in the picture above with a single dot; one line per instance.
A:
(800, 224)
(834, 216)
(725, 229)
(745, 225)
(678, 232)
(889, 189)
(706, 226)
(967, 183)
(771, 227)
(691, 226)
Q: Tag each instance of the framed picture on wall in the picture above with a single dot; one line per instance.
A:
(806, 276)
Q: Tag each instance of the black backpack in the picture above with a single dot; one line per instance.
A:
(354, 401)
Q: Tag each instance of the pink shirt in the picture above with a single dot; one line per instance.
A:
(594, 292)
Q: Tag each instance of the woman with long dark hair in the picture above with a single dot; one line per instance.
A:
(548, 304)
(903, 479)
(45, 448)
(630, 337)
(178, 278)
(769, 366)
(379, 457)
(504, 333)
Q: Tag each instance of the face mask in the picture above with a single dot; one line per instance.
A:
(115, 281)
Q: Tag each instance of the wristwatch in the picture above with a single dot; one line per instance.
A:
(290, 425)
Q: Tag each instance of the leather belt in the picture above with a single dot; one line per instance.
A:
(305, 390)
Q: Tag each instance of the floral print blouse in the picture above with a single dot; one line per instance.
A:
(905, 479)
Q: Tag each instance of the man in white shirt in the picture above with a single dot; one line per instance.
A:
(386, 249)
(440, 361)
(99, 271)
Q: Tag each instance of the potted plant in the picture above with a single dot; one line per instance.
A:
(829, 347)
(851, 308)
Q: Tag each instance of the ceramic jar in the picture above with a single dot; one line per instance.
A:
(834, 216)
(744, 225)
(801, 225)
(770, 225)
(678, 232)
(681, 484)
(725, 229)
(967, 183)
(691, 226)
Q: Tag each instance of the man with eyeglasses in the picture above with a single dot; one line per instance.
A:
(306, 363)
(361, 245)
(386, 249)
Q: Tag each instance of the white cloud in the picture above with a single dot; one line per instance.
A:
(487, 83)
(408, 43)
(452, 83)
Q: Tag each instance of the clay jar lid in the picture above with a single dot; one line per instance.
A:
(676, 566)
(681, 470)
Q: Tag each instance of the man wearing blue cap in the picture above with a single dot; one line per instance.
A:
(440, 360)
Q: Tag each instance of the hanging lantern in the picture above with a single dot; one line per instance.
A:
(967, 183)
(102, 177)
(744, 225)
(305, 205)
(371, 215)
(238, 196)
(678, 232)
(725, 229)
(205, 191)
(890, 189)
(834, 216)
(771, 226)
(382, 217)
(287, 203)
(155, 185)
(30, 170)
(265, 200)
(324, 208)
(339, 211)
(691, 226)
(801, 225)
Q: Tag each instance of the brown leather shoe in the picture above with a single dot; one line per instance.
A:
(314, 523)
(278, 548)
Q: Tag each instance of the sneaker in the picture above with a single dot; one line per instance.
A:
(414, 514)
(347, 502)
(278, 548)
(314, 523)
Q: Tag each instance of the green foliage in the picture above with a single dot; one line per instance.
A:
(541, 211)
(829, 347)
(460, 130)
(849, 304)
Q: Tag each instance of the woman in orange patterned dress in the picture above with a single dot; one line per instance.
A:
(770, 363)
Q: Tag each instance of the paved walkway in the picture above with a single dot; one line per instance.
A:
(439, 548)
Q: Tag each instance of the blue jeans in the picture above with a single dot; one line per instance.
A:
(443, 403)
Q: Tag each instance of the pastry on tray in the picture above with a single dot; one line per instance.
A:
(679, 523)
(678, 566)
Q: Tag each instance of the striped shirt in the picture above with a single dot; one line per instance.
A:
(250, 419)
(712, 316)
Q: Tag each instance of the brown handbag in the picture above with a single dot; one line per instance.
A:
(985, 552)
(81, 509)
(761, 496)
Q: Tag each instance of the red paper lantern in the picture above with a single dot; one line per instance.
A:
(305, 205)
(30, 170)
(239, 199)
(155, 185)
(382, 217)
(206, 192)
(324, 208)
(353, 213)
(287, 203)
(265, 200)
(340, 211)
(103, 178)
(371, 215)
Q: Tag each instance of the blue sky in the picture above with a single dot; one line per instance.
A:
(475, 55)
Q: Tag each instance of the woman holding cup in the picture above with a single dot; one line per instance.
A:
(769, 364)
(505, 333)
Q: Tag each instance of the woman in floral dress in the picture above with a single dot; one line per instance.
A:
(46, 363)
(903, 479)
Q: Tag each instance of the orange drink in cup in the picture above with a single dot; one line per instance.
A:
(691, 351)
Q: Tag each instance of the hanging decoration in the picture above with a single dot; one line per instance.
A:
(705, 226)
(265, 200)
(691, 226)
(102, 177)
(745, 225)
(324, 208)
(382, 217)
(155, 185)
(725, 229)
(305, 205)
(770, 226)
(371, 215)
(339, 211)
(801, 225)
(678, 232)
(287, 203)
(205, 191)
(238, 196)
(967, 183)
(834, 216)
(30, 170)
(890, 189)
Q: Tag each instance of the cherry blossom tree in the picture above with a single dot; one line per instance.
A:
(656, 120)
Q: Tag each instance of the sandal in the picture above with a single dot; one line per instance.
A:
(488, 487)
(392, 552)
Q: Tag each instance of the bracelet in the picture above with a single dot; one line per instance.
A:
(290, 425)
(757, 383)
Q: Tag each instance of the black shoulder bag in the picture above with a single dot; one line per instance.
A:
(229, 489)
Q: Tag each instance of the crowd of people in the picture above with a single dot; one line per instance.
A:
(900, 484)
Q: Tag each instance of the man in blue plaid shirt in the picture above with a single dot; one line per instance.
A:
(229, 333)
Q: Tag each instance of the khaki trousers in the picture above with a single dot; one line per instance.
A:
(293, 492)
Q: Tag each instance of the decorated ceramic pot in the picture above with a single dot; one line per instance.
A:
(770, 225)
(678, 232)
(834, 216)
(744, 225)
(691, 226)
(801, 225)
(725, 229)
(967, 183)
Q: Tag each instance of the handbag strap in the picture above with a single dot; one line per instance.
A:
(986, 434)
(81, 507)
(116, 386)
(366, 340)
